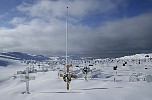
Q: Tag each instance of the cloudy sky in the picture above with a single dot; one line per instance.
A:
(98, 28)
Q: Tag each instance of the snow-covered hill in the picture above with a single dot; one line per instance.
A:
(7, 58)
(22, 56)
(129, 78)
(138, 56)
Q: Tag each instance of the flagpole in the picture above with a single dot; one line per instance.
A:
(67, 38)
(67, 66)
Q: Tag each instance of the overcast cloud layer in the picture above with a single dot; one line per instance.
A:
(40, 27)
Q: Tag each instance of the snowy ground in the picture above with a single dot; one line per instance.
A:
(48, 86)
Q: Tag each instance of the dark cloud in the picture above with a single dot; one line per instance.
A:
(123, 37)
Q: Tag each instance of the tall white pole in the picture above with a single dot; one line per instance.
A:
(67, 66)
(67, 37)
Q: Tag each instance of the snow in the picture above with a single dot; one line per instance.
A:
(137, 56)
(48, 86)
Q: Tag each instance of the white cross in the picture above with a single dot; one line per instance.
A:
(27, 78)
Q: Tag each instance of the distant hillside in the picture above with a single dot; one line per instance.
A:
(7, 58)
(22, 56)
(138, 56)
